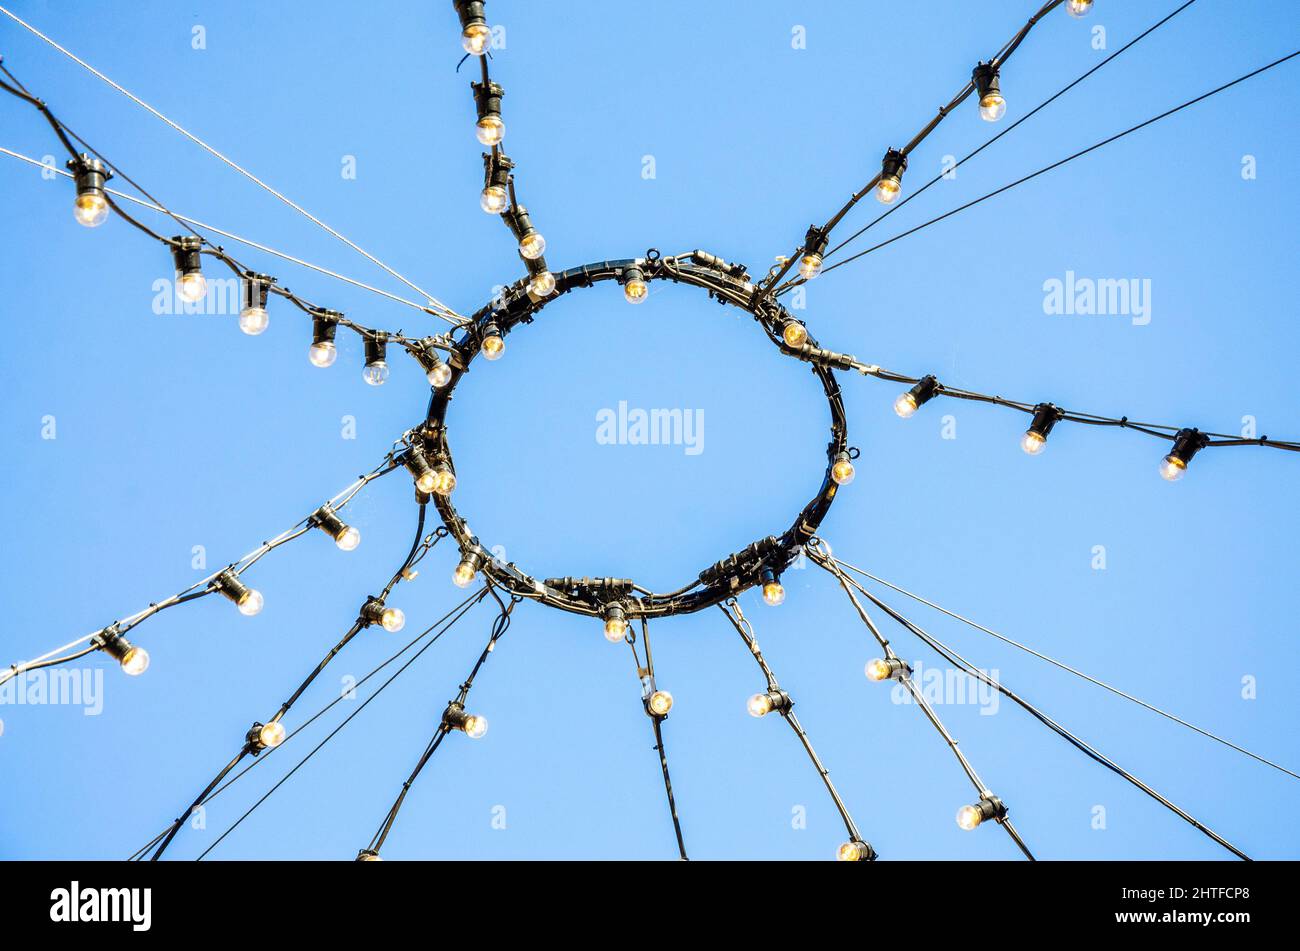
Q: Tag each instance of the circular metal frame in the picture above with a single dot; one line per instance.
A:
(728, 284)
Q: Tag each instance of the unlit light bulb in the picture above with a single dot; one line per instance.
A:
(993, 107)
(90, 209)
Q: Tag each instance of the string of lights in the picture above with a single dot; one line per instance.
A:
(774, 698)
(952, 657)
(1070, 670)
(433, 301)
(893, 667)
(657, 704)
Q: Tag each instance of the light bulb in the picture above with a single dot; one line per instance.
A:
(135, 661)
(475, 726)
(476, 38)
(615, 629)
(376, 374)
(349, 540)
(490, 130)
(1078, 8)
(1172, 468)
(1033, 443)
(444, 480)
(253, 320)
(393, 620)
(426, 482)
(494, 199)
(463, 574)
(854, 852)
(905, 406)
(759, 705)
(250, 603)
(271, 735)
(774, 593)
(493, 347)
(661, 701)
(795, 335)
(810, 266)
(90, 209)
(439, 376)
(323, 354)
(542, 284)
(993, 107)
(636, 291)
(887, 190)
(191, 287)
(968, 817)
(878, 670)
(365, 855)
(532, 245)
(842, 472)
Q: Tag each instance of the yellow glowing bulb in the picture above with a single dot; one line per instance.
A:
(852, 852)
(463, 574)
(774, 593)
(968, 817)
(1033, 443)
(348, 539)
(475, 726)
(191, 287)
(251, 603)
(439, 376)
(393, 620)
(759, 705)
(254, 320)
(542, 284)
(636, 291)
(795, 335)
(494, 200)
(271, 735)
(842, 472)
(878, 670)
(661, 701)
(615, 629)
(532, 245)
(493, 347)
(135, 661)
(490, 130)
(426, 481)
(887, 190)
(810, 266)
(444, 480)
(322, 354)
(905, 405)
(90, 209)
(476, 38)
(992, 107)
(1172, 468)
(1078, 8)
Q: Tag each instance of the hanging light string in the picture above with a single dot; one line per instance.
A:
(897, 669)
(433, 301)
(440, 626)
(1055, 165)
(856, 849)
(788, 285)
(454, 718)
(657, 704)
(952, 657)
(895, 162)
(212, 584)
(1068, 669)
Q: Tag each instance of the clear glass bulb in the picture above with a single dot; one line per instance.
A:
(661, 701)
(439, 376)
(251, 603)
(795, 335)
(427, 481)
(1172, 468)
(253, 320)
(475, 726)
(842, 472)
(850, 852)
(615, 629)
(490, 130)
(444, 481)
(463, 574)
(493, 347)
(905, 405)
(542, 284)
(532, 246)
(476, 39)
(1078, 8)
(494, 199)
(135, 661)
(810, 266)
(1033, 443)
(393, 620)
(968, 817)
(191, 287)
(759, 705)
(636, 291)
(774, 593)
(323, 354)
(90, 209)
(376, 374)
(993, 107)
(878, 670)
(271, 735)
(368, 856)
(887, 190)
(349, 539)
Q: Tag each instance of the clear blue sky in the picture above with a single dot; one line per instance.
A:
(180, 431)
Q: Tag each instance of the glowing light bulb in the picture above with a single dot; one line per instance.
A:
(490, 130)
(854, 852)
(475, 726)
(463, 574)
(393, 620)
(439, 376)
(444, 480)
(795, 335)
(135, 661)
(878, 670)
(1033, 443)
(774, 593)
(253, 320)
(349, 540)
(532, 245)
(541, 285)
(759, 705)
(1078, 8)
(493, 347)
(887, 190)
(905, 406)
(426, 482)
(271, 735)
(843, 472)
(323, 354)
(993, 107)
(476, 39)
(968, 817)
(494, 200)
(1172, 468)
(90, 209)
(636, 291)
(191, 287)
(250, 603)
(661, 701)
(810, 266)
(615, 629)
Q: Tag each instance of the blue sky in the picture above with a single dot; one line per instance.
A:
(177, 431)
